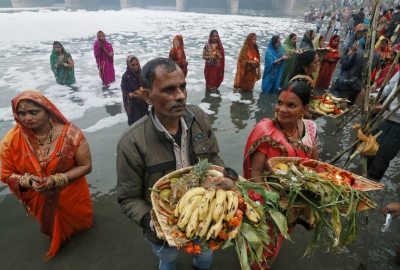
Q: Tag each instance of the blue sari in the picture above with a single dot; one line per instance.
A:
(272, 72)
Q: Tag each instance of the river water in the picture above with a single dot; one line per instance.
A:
(114, 242)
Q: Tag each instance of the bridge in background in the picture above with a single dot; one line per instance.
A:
(266, 7)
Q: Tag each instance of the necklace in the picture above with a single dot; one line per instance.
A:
(287, 135)
(290, 141)
(46, 140)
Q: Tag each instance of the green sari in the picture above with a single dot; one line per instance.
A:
(290, 62)
(64, 76)
(321, 55)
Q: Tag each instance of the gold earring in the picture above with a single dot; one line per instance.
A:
(275, 114)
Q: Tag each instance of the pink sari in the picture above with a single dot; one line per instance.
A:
(105, 63)
(272, 143)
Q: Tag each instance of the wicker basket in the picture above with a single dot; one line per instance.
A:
(163, 229)
(360, 183)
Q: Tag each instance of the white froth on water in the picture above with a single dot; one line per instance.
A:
(235, 97)
(30, 35)
(206, 108)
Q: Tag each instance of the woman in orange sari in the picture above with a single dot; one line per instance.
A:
(384, 50)
(177, 53)
(286, 135)
(213, 53)
(248, 65)
(44, 162)
(329, 62)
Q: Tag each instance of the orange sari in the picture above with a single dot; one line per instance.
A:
(61, 211)
(384, 54)
(246, 74)
(177, 54)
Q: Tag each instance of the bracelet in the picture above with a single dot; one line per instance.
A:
(24, 180)
(60, 180)
(65, 65)
(56, 65)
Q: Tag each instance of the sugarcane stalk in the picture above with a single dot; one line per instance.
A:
(345, 123)
(358, 151)
(385, 107)
(348, 114)
(384, 119)
(376, 100)
(367, 80)
(338, 156)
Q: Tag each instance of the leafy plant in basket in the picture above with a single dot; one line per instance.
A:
(253, 237)
(322, 196)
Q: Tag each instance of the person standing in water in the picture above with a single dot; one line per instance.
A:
(104, 54)
(62, 65)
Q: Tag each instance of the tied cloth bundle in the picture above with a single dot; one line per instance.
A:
(369, 146)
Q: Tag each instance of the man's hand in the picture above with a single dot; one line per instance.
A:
(393, 208)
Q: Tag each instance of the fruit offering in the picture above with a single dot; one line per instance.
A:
(327, 104)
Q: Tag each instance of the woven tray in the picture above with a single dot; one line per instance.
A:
(159, 215)
(360, 183)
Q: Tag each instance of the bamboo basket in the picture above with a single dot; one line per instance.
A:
(159, 216)
(360, 183)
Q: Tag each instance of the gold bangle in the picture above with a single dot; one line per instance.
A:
(24, 180)
(60, 180)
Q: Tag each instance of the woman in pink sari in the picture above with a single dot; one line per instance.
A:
(214, 68)
(104, 54)
(287, 135)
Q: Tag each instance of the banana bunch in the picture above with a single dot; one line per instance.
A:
(202, 213)
(326, 108)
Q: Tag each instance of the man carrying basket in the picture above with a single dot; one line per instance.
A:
(170, 137)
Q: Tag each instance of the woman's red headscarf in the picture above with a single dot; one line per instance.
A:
(179, 51)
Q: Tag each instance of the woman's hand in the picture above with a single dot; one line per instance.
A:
(285, 56)
(38, 184)
(60, 64)
(50, 182)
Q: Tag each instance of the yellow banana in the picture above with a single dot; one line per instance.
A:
(189, 194)
(202, 229)
(187, 211)
(193, 223)
(232, 234)
(217, 227)
(325, 109)
(233, 201)
(220, 198)
(252, 214)
(318, 110)
(205, 203)
(176, 211)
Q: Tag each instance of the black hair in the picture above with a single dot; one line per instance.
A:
(274, 40)
(149, 70)
(303, 60)
(384, 12)
(212, 33)
(292, 35)
(56, 43)
(386, 31)
(385, 40)
(301, 90)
